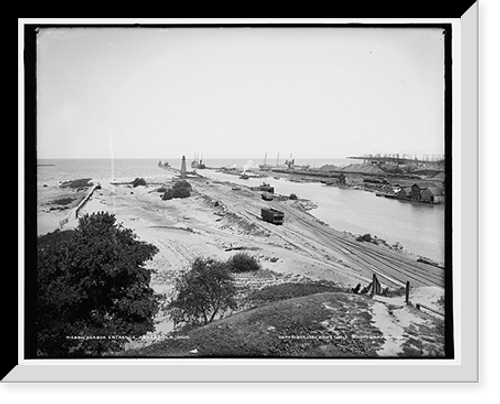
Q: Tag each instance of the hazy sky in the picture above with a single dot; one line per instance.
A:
(239, 92)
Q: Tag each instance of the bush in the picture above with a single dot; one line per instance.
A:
(365, 237)
(139, 181)
(168, 195)
(181, 189)
(182, 184)
(205, 291)
(243, 262)
(181, 193)
(293, 197)
(92, 282)
(77, 184)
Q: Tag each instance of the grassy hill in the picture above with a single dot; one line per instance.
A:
(295, 321)
(325, 324)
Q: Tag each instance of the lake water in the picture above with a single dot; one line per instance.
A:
(418, 227)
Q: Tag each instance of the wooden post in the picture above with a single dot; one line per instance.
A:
(407, 299)
(420, 306)
(374, 285)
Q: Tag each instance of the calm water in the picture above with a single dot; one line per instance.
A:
(418, 227)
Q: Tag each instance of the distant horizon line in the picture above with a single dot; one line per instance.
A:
(164, 158)
(284, 157)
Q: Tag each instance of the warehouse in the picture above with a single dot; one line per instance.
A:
(432, 195)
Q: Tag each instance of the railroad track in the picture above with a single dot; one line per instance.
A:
(385, 263)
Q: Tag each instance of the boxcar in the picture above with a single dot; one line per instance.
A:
(272, 215)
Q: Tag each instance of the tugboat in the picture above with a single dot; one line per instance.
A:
(198, 163)
(244, 176)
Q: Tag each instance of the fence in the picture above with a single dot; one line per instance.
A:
(376, 290)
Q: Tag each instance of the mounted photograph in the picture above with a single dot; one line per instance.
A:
(243, 192)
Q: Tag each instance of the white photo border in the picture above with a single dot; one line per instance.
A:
(463, 368)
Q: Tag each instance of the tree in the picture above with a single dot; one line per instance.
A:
(93, 288)
(203, 292)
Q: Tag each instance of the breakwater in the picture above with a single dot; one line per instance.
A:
(73, 213)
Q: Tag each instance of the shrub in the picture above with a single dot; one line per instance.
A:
(92, 282)
(168, 195)
(181, 193)
(139, 181)
(203, 292)
(77, 184)
(182, 184)
(365, 237)
(243, 262)
(181, 189)
(293, 197)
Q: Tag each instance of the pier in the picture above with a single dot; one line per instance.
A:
(86, 199)
(73, 214)
(398, 160)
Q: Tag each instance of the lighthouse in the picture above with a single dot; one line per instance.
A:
(183, 167)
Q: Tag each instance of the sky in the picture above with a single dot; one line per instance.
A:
(239, 92)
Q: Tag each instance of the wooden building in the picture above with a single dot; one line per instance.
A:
(403, 193)
(416, 192)
(433, 195)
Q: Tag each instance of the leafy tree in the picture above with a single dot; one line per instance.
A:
(93, 290)
(203, 292)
